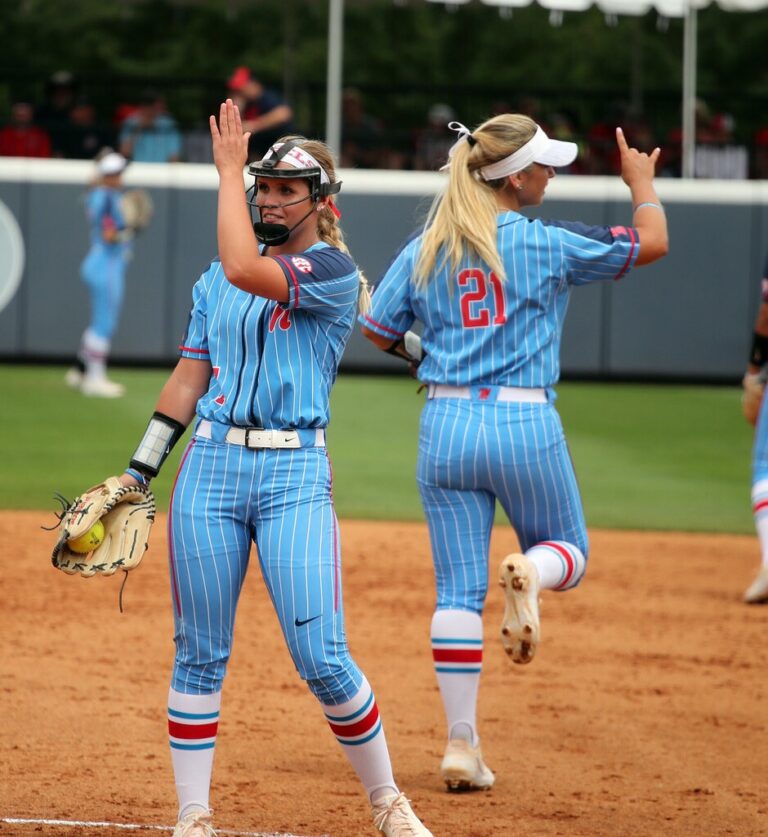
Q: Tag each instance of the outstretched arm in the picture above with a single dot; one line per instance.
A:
(637, 171)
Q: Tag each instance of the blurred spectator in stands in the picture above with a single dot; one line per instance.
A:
(432, 143)
(21, 137)
(53, 114)
(760, 161)
(150, 134)
(560, 126)
(264, 112)
(361, 134)
(603, 154)
(716, 153)
(85, 135)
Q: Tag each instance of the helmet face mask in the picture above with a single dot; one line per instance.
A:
(276, 234)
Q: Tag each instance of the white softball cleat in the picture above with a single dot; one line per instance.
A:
(195, 824)
(757, 592)
(101, 388)
(463, 768)
(394, 817)
(520, 627)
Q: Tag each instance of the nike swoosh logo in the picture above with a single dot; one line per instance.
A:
(299, 622)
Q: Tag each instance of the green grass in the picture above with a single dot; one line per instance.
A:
(647, 457)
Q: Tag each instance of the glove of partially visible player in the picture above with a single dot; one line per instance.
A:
(127, 514)
(753, 388)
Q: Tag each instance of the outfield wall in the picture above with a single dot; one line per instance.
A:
(688, 316)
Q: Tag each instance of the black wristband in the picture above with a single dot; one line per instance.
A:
(161, 435)
(392, 350)
(758, 355)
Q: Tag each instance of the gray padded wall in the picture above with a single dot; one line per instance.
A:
(688, 316)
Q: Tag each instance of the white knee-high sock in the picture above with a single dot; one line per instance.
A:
(760, 513)
(561, 565)
(94, 351)
(357, 727)
(193, 722)
(457, 655)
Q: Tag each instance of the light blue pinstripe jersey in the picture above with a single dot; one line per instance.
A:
(101, 204)
(478, 329)
(274, 364)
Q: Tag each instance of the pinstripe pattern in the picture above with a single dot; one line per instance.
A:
(273, 366)
(281, 500)
(477, 331)
(470, 454)
(300, 343)
(463, 313)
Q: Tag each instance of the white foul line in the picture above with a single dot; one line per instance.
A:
(136, 827)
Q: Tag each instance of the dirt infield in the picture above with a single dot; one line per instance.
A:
(644, 713)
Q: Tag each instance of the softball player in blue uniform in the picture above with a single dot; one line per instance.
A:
(103, 271)
(269, 322)
(491, 289)
(757, 592)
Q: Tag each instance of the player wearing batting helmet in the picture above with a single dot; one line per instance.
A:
(270, 319)
(491, 288)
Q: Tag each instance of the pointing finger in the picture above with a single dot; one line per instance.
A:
(621, 141)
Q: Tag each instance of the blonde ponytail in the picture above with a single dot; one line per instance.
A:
(462, 219)
(328, 228)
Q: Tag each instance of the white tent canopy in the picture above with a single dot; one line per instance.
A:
(686, 9)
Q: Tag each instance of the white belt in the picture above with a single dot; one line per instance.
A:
(490, 394)
(256, 437)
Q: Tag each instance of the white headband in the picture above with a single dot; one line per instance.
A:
(299, 159)
(539, 149)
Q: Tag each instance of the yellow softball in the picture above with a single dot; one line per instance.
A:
(88, 541)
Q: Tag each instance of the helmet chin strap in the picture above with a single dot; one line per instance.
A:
(272, 235)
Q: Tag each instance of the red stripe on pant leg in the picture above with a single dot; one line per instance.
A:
(760, 506)
(191, 731)
(570, 563)
(352, 730)
(457, 655)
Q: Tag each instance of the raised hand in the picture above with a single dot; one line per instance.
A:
(230, 142)
(636, 166)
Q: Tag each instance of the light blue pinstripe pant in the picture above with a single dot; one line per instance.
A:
(225, 497)
(472, 453)
(103, 271)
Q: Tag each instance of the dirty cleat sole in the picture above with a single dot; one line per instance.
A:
(520, 626)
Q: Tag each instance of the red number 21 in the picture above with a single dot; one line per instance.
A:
(475, 290)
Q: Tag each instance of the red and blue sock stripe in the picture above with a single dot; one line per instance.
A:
(192, 731)
(457, 656)
(358, 727)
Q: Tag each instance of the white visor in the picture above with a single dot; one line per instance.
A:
(298, 158)
(539, 149)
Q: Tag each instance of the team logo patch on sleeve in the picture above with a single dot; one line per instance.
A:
(302, 264)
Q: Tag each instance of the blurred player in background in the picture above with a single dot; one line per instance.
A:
(757, 592)
(270, 319)
(491, 289)
(103, 271)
